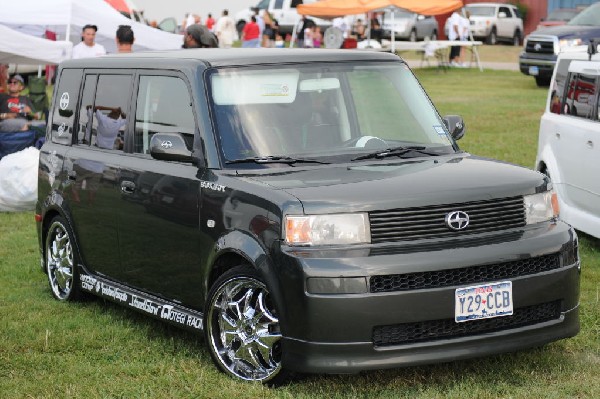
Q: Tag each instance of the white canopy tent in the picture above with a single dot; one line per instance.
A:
(20, 48)
(67, 18)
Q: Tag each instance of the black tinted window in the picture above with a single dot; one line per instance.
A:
(163, 106)
(109, 114)
(64, 109)
(87, 102)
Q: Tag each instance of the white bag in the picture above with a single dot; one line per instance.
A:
(19, 180)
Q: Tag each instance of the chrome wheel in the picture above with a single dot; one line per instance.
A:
(243, 329)
(59, 260)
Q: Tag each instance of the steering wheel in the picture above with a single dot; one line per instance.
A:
(366, 142)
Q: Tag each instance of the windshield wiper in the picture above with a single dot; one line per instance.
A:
(274, 159)
(396, 151)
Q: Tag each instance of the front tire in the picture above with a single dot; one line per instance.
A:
(242, 327)
(61, 261)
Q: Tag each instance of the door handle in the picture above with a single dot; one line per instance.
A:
(127, 187)
(590, 144)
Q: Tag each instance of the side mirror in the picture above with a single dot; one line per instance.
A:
(501, 14)
(455, 125)
(170, 147)
(420, 17)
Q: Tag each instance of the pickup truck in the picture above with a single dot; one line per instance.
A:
(284, 11)
(542, 46)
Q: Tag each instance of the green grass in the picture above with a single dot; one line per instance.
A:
(95, 349)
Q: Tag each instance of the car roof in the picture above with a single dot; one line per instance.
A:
(231, 57)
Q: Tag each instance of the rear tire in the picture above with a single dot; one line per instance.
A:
(517, 38)
(61, 261)
(492, 37)
(242, 328)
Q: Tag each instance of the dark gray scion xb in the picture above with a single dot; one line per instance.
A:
(307, 211)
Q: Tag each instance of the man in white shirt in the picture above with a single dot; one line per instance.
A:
(225, 30)
(454, 34)
(88, 48)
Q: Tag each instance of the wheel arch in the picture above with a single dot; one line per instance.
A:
(238, 247)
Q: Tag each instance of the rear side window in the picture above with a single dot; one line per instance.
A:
(558, 90)
(64, 110)
(581, 96)
(163, 106)
(109, 113)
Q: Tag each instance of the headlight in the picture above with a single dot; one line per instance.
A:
(569, 43)
(541, 207)
(327, 229)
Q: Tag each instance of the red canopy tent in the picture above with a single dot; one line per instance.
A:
(119, 5)
(336, 8)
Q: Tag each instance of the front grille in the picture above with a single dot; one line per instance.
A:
(430, 221)
(432, 330)
(464, 276)
(539, 47)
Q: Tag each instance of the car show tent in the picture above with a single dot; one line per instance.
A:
(67, 17)
(21, 48)
(336, 8)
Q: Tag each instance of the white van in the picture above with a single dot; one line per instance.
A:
(569, 138)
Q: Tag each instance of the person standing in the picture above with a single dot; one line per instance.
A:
(251, 34)
(210, 22)
(124, 39)
(88, 48)
(453, 35)
(225, 30)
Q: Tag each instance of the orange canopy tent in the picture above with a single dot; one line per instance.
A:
(336, 8)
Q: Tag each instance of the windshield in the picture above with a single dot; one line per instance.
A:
(330, 112)
(481, 11)
(589, 16)
(562, 15)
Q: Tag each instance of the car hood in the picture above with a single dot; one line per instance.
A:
(569, 31)
(407, 183)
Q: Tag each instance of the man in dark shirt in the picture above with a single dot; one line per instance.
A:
(15, 109)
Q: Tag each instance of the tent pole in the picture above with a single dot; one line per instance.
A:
(368, 14)
(393, 30)
(473, 48)
(294, 33)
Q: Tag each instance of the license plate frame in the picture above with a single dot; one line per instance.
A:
(484, 301)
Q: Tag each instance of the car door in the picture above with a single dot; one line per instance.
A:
(505, 22)
(158, 201)
(578, 156)
(92, 166)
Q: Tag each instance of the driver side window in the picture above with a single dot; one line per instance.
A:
(163, 106)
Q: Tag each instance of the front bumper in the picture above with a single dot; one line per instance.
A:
(543, 63)
(341, 332)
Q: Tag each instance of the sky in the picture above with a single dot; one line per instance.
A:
(160, 9)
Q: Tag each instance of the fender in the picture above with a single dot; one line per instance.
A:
(250, 248)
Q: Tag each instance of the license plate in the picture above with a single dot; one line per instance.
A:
(483, 301)
(534, 71)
